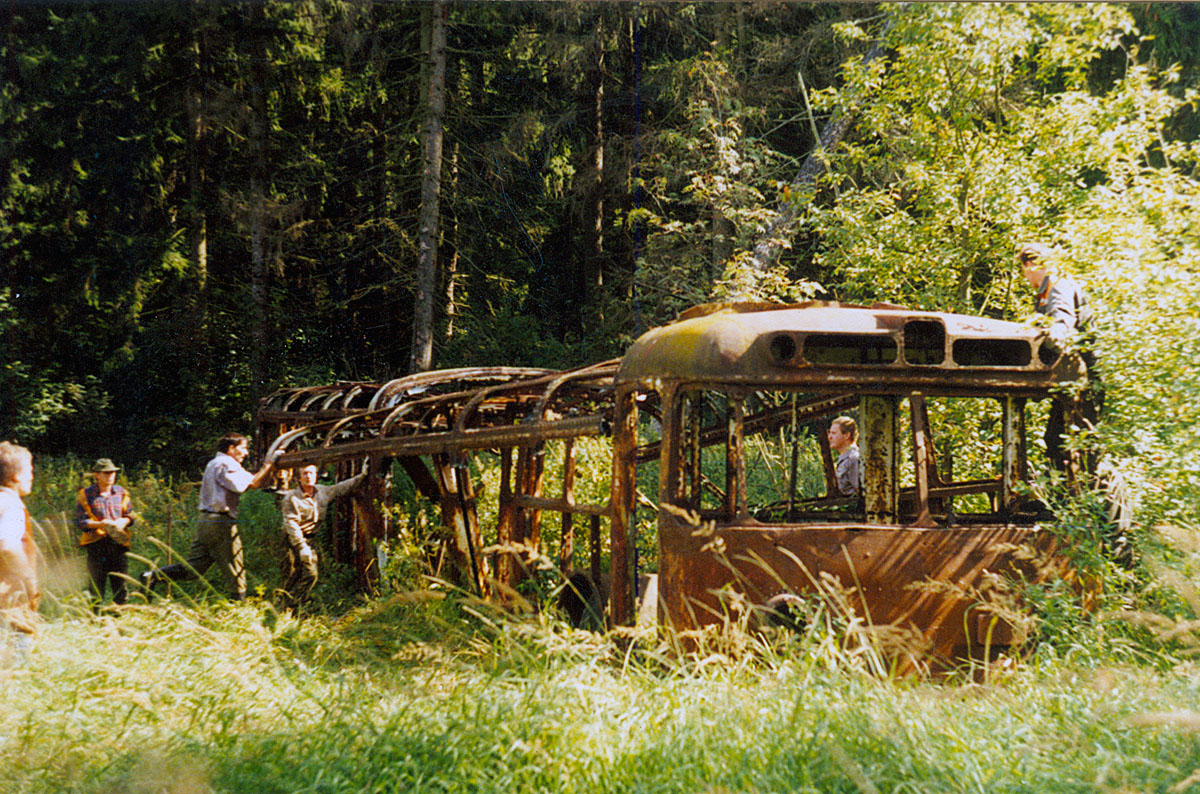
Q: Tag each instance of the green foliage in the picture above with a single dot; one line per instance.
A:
(131, 131)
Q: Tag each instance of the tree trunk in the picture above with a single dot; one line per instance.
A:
(595, 222)
(452, 262)
(198, 211)
(772, 242)
(422, 339)
(260, 322)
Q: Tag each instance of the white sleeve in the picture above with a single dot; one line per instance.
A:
(234, 477)
(12, 522)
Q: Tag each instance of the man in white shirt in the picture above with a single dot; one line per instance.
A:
(217, 539)
(19, 595)
(303, 510)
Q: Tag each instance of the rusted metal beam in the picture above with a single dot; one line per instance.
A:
(530, 470)
(691, 481)
(507, 565)
(460, 547)
(449, 441)
(419, 473)
(921, 455)
(1012, 459)
(735, 459)
(594, 550)
(566, 549)
(474, 535)
(433, 378)
(879, 458)
(827, 463)
(624, 505)
(560, 505)
(669, 473)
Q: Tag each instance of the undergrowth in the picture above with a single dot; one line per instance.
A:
(425, 689)
(429, 692)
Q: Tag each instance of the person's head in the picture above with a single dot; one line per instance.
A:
(104, 472)
(842, 433)
(1034, 259)
(308, 476)
(16, 467)
(235, 445)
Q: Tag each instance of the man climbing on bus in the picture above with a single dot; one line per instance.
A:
(1061, 299)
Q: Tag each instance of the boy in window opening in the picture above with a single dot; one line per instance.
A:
(843, 439)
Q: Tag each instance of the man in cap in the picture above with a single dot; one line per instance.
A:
(104, 515)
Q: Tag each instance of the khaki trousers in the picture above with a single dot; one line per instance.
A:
(217, 541)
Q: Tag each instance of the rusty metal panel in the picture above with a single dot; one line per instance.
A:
(927, 580)
(738, 344)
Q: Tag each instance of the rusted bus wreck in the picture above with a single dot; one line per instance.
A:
(716, 402)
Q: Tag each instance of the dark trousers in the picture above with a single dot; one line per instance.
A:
(299, 577)
(217, 541)
(1083, 411)
(107, 563)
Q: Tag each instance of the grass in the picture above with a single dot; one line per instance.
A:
(427, 692)
(414, 694)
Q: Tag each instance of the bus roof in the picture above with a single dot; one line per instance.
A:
(882, 348)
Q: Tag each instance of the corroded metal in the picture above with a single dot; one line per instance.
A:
(880, 458)
(623, 502)
(894, 542)
(827, 346)
(1012, 461)
(702, 380)
(932, 581)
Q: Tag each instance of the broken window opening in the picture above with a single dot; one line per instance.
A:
(849, 349)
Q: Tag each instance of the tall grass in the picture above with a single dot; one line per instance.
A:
(166, 509)
(435, 691)
(428, 694)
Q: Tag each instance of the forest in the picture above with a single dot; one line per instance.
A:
(204, 202)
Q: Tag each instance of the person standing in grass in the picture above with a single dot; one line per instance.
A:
(1061, 299)
(217, 539)
(103, 515)
(19, 595)
(843, 439)
(303, 510)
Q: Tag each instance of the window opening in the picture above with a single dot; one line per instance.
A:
(849, 349)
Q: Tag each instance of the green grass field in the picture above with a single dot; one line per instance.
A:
(419, 690)
(410, 695)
